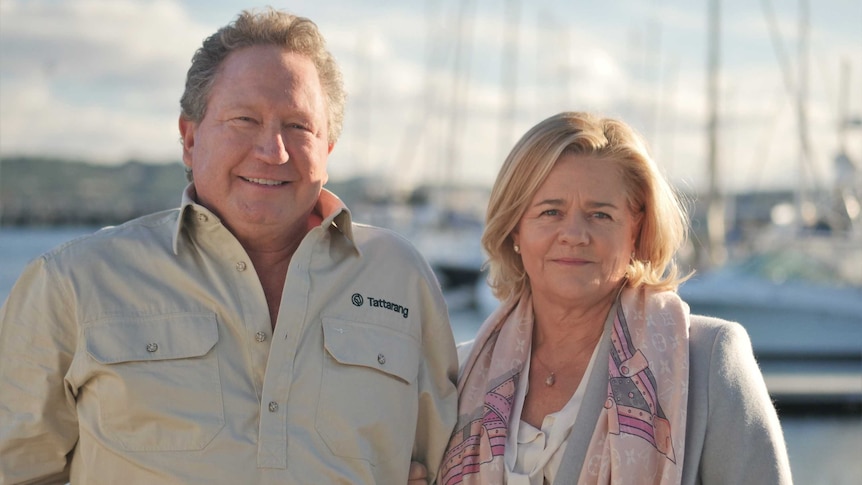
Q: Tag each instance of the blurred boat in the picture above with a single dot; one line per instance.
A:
(801, 304)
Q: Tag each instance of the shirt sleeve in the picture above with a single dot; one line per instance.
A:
(438, 395)
(38, 423)
(743, 441)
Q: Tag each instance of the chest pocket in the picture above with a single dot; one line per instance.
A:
(157, 382)
(368, 396)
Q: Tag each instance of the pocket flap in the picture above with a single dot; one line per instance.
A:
(151, 337)
(373, 346)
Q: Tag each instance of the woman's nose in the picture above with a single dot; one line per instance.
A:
(574, 230)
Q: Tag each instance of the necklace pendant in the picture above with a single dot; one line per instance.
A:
(550, 380)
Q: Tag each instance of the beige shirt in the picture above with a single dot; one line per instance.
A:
(144, 354)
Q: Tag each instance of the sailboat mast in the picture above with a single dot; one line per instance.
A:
(509, 75)
(460, 82)
(715, 204)
(801, 113)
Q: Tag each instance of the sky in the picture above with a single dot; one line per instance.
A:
(440, 90)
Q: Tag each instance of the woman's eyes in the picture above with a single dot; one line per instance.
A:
(601, 215)
(594, 215)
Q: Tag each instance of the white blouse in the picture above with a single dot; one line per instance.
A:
(533, 455)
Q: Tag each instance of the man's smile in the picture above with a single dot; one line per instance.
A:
(263, 181)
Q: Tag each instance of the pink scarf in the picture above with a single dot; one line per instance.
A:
(639, 436)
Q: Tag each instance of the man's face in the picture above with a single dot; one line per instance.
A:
(259, 154)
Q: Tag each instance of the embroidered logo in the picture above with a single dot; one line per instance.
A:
(359, 300)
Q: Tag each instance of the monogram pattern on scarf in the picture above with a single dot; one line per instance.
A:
(631, 443)
(632, 393)
(483, 437)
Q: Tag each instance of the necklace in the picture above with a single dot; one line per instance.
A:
(552, 377)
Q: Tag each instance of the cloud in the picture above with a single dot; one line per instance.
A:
(93, 79)
(102, 80)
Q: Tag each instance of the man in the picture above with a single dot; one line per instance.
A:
(254, 335)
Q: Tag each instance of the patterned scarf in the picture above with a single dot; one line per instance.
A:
(639, 436)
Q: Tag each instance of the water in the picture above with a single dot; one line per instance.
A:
(824, 448)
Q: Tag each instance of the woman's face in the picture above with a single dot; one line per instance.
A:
(577, 236)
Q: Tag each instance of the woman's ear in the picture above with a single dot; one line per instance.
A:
(516, 240)
(637, 227)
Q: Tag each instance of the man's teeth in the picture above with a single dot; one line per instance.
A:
(264, 181)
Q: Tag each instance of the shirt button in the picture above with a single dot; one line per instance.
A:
(260, 336)
(152, 347)
(381, 359)
(273, 406)
(202, 218)
(240, 266)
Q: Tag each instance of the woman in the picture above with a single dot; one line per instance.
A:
(592, 370)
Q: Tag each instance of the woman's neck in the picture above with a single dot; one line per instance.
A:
(573, 327)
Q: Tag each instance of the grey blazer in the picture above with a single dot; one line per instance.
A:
(732, 431)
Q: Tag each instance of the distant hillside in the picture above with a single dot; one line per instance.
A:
(41, 191)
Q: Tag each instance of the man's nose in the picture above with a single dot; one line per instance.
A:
(271, 148)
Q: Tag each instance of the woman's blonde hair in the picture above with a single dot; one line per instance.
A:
(663, 225)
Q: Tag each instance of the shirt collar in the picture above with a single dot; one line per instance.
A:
(332, 210)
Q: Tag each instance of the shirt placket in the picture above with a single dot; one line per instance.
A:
(272, 444)
(258, 330)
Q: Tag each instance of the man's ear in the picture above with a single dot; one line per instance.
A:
(187, 137)
(326, 172)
